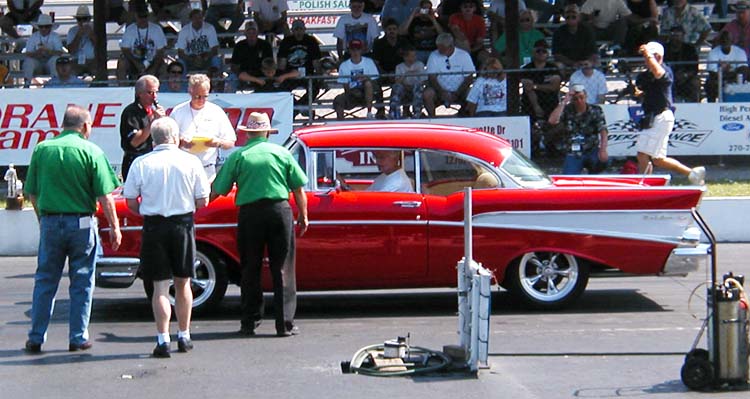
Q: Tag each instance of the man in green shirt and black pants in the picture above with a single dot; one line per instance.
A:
(66, 176)
(265, 173)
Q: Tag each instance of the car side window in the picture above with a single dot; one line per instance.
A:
(324, 172)
(383, 170)
(445, 173)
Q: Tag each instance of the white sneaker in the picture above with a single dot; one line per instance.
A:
(370, 115)
(697, 176)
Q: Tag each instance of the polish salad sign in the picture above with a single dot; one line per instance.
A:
(28, 117)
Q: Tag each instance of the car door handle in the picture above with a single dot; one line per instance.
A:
(408, 204)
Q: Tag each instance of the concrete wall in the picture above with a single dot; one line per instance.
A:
(729, 218)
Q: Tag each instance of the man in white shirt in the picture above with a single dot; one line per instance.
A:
(42, 50)
(358, 25)
(592, 79)
(142, 48)
(203, 126)
(731, 59)
(172, 186)
(197, 44)
(445, 87)
(393, 178)
(359, 76)
(271, 17)
(81, 41)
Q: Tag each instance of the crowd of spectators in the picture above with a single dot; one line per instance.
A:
(427, 54)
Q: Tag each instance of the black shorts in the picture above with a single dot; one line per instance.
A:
(167, 247)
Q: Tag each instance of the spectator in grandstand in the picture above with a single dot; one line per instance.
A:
(608, 18)
(687, 84)
(19, 12)
(469, 30)
(739, 27)
(65, 76)
(730, 59)
(142, 48)
(216, 10)
(42, 50)
(527, 36)
(271, 18)
(422, 28)
(408, 86)
(176, 80)
(643, 24)
(541, 84)
(356, 25)
(197, 44)
(387, 51)
(247, 57)
(116, 12)
(692, 20)
(301, 52)
(446, 8)
(592, 79)
(273, 80)
(359, 76)
(81, 40)
(584, 139)
(374, 6)
(489, 93)
(400, 10)
(445, 86)
(496, 16)
(573, 42)
(167, 10)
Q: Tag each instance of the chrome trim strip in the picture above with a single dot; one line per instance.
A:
(116, 274)
(117, 261)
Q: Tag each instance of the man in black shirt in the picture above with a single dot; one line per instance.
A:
(687, 84)
(247, 57)
(573, 42)
(301, 52)
(386, 51)
(658, 119)
(135, 121)
(541, 84)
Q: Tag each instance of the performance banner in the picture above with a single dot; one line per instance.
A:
(700, 129)
(30, 116)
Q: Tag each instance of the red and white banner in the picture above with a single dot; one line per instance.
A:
(30, 116)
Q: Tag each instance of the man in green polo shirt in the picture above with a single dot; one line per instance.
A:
(265, 173)
(66, 177)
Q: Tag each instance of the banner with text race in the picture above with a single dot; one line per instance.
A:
(30, 116)
(700, 129)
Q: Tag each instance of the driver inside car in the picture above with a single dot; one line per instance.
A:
(392, 177)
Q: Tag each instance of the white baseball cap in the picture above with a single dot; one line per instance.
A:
(655, 48)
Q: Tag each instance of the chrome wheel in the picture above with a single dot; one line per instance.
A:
(547, 280)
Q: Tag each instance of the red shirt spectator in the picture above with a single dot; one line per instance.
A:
(739, 28)
(468, 28)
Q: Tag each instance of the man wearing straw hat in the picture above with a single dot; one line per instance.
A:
(42, 50)
(265, 173)
(81, 40)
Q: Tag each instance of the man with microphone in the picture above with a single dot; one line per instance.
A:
(135, 122)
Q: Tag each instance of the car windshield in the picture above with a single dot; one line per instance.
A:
(523, 170)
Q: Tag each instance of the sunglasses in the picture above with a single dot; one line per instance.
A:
(541, 50)
(176, 72)
(83, 19)
(45, 26)
(571, 16)
(525, 20)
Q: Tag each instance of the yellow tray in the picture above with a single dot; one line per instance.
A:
(199, 144)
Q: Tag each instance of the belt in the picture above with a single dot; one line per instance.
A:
(183, 218)
(209, 165)
(263, 202)
(80, 215)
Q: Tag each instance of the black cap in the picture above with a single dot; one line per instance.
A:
(62, 60)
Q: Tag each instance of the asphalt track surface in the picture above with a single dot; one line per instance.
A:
(626, 337)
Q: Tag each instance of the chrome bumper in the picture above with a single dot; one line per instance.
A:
(116, 272)
(685, 260)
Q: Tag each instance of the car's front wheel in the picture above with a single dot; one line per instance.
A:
(547, 280)
(209, 284)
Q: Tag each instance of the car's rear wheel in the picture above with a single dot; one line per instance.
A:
(547, 280)
(209, 284)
